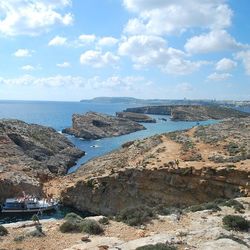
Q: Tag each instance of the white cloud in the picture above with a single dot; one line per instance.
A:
(225, 64)
(63, 65)
(87, 39)
(92, 83)
(244, 56)
(22, 53)
(28, 68)
(107, 41)
(163, 17)
(33, 17)
(215, 40)
(58, 41)
(219, 76)
(53, 81)
(97, 59)
(153, 51)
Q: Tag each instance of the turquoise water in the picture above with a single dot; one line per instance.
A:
(58, 115)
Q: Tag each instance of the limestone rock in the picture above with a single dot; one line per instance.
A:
(94, 125)
(137, 117)
(31, 154)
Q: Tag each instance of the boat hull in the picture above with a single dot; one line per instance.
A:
(32, 210)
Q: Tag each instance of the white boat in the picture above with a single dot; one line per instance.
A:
(28, 205)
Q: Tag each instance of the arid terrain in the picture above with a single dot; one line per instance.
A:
(178, 168)
(202, 230)
(182, 183)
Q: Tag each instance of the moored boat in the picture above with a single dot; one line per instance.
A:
(28, 205)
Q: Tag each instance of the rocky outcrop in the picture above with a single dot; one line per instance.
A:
(137, 117)
(164, 169)
(94, 125)
(190, 112)
(151, 187)
(31, 154)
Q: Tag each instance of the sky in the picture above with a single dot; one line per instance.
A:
(68, 50)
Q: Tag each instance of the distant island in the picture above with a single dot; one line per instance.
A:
(137, 101)
(190, 112)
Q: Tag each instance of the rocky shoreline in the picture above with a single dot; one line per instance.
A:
(136, 117)
(147, 172)
(93, 125)
(167, 172)
(31, 155)
(190, 112)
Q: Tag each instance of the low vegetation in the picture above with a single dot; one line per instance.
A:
(235, 222)
(205, 206)
(3, 231)
(76, 224)
(135, 216)
(104, 221)
(91, 227)
(158, 246)
(238, 207)
(38, 232)
(234, 238)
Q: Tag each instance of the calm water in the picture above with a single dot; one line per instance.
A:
(58, 115)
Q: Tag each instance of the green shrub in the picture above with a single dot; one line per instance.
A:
(235, 204)
(73, 216)
(91, 227)
(104, 221)
(71, 226)
(205, 206)
(234, 238)
(158, 246)
(35, 218)
(38, 232)
(164, 210)
(235, 222)
(135, 216)
(3, 231)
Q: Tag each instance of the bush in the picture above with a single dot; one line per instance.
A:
(206, 206)
(135, 216)
(35, 218)
(104, 221)
(234, 238)
(71, 226)
(235, 222)
(163, 210)
(38, 232)
(158, 246)
(91, 227)
(235, 204)
(3, 231)
(73, 216)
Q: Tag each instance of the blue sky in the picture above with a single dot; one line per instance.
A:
(70, 50)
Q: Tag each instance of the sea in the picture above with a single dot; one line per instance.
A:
(58, 115)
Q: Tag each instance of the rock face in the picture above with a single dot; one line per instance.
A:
(31, 154)
(190, 112)
(137, 117)
(94, 125)
(172, 169)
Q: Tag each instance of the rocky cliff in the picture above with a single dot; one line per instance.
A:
(190, 112)
(175, 169)
(137, 117)
(94, 125)
(31, 154)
